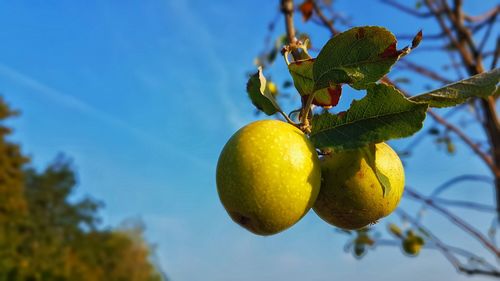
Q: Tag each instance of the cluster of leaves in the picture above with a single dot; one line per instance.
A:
(46, 236)
(360, 57)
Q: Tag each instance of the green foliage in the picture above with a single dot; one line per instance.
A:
(46, 236)
(480, 85)
(358, 56)
(302, 74)
(384, 113)
(259, 95)
(13, 206)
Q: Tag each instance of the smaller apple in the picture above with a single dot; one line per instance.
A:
(351, 196)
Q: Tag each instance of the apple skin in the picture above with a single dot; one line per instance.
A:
(351, 196)
(268, 176)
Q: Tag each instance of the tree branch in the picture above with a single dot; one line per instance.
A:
(405, 9)
(454, 219)
(474, 146)
(438, 15)
(487, 33)
(424, 71)
(437, 242)
(486, 16)
(327, 23)
(466, 204)
(287, 10)
(449, 183)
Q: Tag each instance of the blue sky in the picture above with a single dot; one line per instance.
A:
(143, 95)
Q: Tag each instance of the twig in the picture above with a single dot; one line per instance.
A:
(324, 20)
(487, 33)
(427, 36)
(447, 251)
(486, 16)
(439, 244)
(432, 246)
(449, 183)
(424, 71)
(287, 10)
(438, 15)
(455, 65)
(456, 220)
(496, 54)
(466, 204)
(405, 9)
(485, 157)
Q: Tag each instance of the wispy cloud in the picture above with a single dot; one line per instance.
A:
(71, 102)
(192, 24)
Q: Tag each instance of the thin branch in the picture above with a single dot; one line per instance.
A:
(424, 71)
(438, 15)
(456, 16)
(432, 246)
(427, 36)
(496, 54)
(406, 9)
(449, 183)
(487, 33)
(328, 23)
(465, 138)
(484, 156)
(455, 65)
(484, 17)
(439, 244)
(287, 10)
(454, 219)
(466, 204)
(447, 251)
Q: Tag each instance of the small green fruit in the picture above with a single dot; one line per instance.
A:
(412, 244)
(351, 196)
(268, 176)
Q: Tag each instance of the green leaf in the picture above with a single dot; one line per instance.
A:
(480, 85)
(383, 114)
(369, 153)
(302, 74)
(259, 95)
(358, 56)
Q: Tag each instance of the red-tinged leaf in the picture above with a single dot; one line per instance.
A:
(391, 52)
(416, 40)
(302, 75)
(306, 8)
(383, 114)
(358, 57)
(328, 97)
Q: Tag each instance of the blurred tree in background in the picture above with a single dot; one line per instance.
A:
(46, 236)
